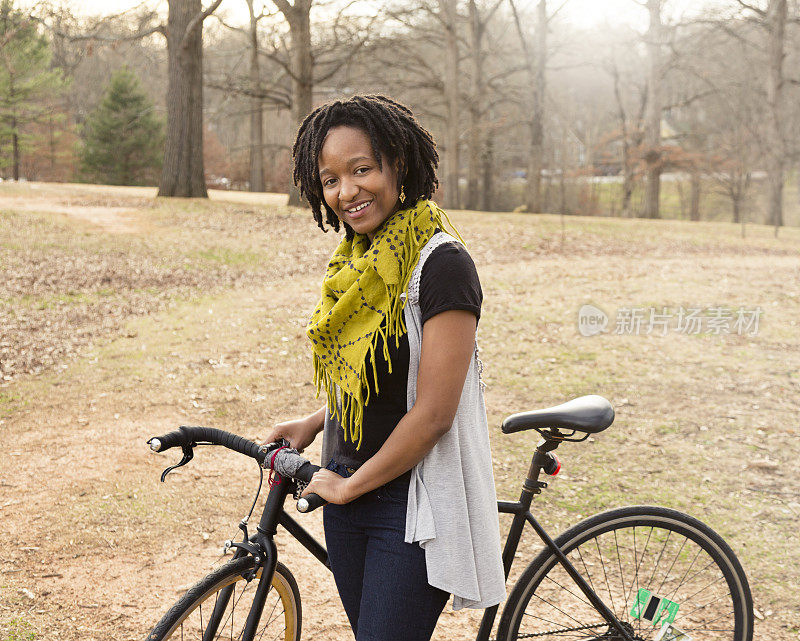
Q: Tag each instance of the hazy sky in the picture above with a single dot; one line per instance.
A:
(582, 13)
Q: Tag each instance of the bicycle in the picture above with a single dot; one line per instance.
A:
(603, 578)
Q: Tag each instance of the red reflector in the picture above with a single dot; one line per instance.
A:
(558, 465)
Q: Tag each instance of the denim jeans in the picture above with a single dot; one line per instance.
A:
(382, 580)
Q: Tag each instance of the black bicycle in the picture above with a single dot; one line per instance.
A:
(636, 573)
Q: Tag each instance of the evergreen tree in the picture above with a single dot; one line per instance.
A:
(28, 87)
(123, 138)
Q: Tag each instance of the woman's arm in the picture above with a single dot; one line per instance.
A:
(448, 343)
(300, 432)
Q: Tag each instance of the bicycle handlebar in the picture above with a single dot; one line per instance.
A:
(187, 437)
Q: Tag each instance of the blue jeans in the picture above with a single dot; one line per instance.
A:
(382, 580)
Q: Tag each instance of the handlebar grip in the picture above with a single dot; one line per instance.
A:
(310, 502)
(175, 438)
(186, 435)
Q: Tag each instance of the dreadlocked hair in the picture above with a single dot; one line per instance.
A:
(395, 135)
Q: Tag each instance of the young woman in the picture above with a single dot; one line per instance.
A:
(412, 514)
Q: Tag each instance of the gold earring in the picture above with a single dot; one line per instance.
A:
(402, 194)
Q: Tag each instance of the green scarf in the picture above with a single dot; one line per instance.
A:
(363, 285)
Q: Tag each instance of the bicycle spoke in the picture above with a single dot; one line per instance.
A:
(621, 574)
(270, 619)
(683, 579)
(559, 609)
(591, 584)
(660, 554)
(566, 589)
(605, 574)
(674, 561)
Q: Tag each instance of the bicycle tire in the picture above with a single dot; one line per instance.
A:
(185, 619)
(545, 603)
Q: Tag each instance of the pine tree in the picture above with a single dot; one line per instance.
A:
(28, 87)
(123, 138)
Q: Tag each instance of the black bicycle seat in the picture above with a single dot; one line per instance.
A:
(589, 414)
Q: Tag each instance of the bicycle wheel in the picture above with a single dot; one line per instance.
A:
(189, 618)
(665, 575)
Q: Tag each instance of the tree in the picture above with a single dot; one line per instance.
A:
(652, 133)
(182, 172)
(123, 137)
(307, 65)
(535, 66)
(479, 152)
(27, 84)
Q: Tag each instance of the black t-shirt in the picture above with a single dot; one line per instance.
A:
(449, 280)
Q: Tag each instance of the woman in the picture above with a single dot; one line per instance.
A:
(412, 513)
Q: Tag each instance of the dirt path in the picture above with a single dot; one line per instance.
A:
(112, 220)
(96, 548)
(96, 540)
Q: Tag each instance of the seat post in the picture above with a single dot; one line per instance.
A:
(532, 483)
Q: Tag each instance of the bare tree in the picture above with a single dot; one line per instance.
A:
(256, 105)
(652, 136)
(535, 65)
(478, 100)
(182, 170)
(182, 174)
(774, 21)
(631, 131)
(306, 65)
(254, 89)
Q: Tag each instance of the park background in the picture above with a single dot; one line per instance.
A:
(642, 156)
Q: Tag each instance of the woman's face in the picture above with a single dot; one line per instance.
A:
(361, 194)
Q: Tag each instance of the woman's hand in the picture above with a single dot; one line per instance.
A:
(300, 432)
(330, 486)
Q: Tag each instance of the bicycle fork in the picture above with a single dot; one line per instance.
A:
(265, 554)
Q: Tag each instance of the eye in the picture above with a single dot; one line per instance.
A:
(362, 170)
(328, 182)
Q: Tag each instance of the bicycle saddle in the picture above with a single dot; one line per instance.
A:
(589, 414)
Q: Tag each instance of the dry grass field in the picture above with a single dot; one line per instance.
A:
(123, 316)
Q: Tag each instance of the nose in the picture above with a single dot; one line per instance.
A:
(348, 190)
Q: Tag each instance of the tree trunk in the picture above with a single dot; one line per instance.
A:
(776, 28)
(694, 207)
(299, 19)
(182, 174)
(487, 202)
(475, 108)
(15, 147)
(256, 109)
(798, 184)
(653, 121)
(737, 208)
(449, 16)
(533, 201)
(627, 192)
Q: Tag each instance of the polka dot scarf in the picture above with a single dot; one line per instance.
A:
(363, 285)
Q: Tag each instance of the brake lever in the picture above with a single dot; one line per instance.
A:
(188, 453)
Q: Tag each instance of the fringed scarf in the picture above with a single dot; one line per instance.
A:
(362, 286)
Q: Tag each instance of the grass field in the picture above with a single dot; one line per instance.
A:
(124, 316)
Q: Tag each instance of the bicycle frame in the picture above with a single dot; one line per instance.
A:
(262, 546)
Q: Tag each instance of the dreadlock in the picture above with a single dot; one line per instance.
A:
(394, 134)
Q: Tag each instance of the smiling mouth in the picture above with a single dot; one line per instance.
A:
(357, 212)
